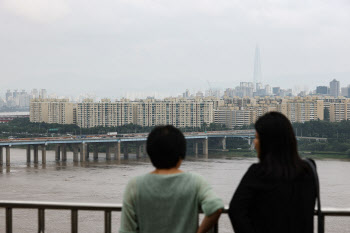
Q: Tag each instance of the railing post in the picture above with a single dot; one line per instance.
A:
(8, 220)
(74, 222)
(41, 219)
(321, 224)
(214, 229)
(108, 221)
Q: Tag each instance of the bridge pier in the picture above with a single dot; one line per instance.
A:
(87, 155)
(36, 154)
(224, 143)
(58, 153)
(28, 153)
(64, 152)
(75, 152)
(108, 154)
(138, 150)
(249, 141)
(83, 148)
(1, 156)
(43, 154)
(205, 147)
(195, 148)
(144, 149)
(252, 146)
(7, 156)
(95, 152)
(126, 152)
(117, 151)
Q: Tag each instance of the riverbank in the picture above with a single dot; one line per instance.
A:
(303, 154)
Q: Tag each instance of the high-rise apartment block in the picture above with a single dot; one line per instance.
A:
(149, 112)
(174, 111)
(58, 111)
(303, 109)
(105, 113)
(340, 110)
(233, 117)
(186, 112)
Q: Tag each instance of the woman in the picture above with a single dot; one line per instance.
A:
(278, 193)
(167, 199)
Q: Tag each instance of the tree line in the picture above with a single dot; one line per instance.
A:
(24, 128)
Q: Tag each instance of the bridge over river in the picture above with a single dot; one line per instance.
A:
(112, 144)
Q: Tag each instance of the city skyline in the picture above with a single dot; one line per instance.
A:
(244, 89)
(69, 48)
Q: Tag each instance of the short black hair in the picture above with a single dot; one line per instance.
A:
(166, 145)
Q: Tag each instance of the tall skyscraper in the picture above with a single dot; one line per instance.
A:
(8, 95)
(334, 88)
(257, 67)
(35, 93)
(43, 94)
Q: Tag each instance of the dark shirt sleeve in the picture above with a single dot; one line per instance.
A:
(242, 202)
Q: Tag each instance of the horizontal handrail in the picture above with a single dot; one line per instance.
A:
(60, 205)
(117, 207)
(335, 212)
(106, 207)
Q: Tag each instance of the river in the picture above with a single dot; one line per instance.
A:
(104, 182)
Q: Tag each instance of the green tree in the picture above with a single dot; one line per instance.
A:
(348, 153)
(326, 115)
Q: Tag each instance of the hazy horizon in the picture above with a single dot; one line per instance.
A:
(111, 48)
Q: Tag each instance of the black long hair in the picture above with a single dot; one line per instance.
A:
(278, 156)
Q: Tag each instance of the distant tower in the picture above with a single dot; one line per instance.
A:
(257, 67)
(334, 88)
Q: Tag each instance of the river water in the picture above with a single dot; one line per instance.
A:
(104, 182)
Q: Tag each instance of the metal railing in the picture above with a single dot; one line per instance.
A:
(106, 208)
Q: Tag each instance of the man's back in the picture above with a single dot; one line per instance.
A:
(168, 203)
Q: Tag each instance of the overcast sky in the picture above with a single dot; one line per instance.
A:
(114, 47)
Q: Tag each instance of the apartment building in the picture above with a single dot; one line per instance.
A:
(297, 109)
(175, 111)
(38, 110)
(233, 117)
(301, 109)
(58, 111)
(185, 112)
(104, 113)
(340, 111)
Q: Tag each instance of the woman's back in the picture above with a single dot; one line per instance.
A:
(266, 204)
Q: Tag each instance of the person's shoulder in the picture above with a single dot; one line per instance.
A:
(195, 176)
(253, 172)
(134, 181)
(253, 168)
(196, 179)
(310, 160)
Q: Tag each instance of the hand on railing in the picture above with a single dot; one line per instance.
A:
(209, 223)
